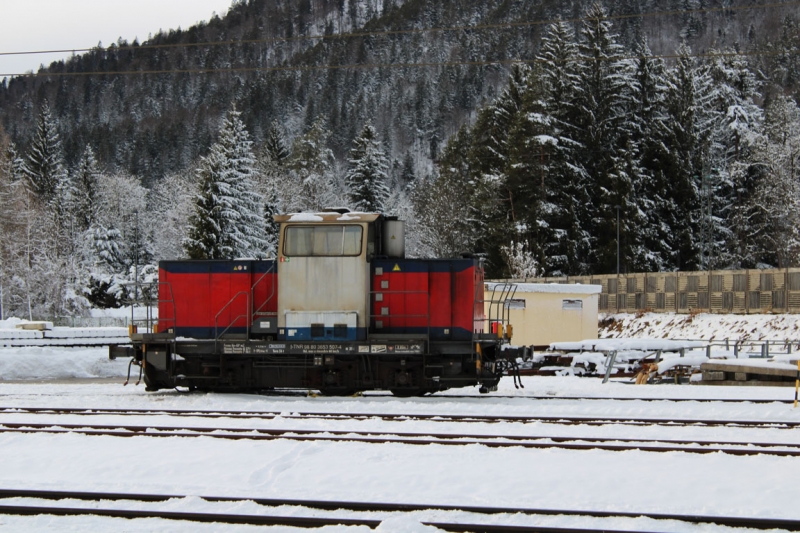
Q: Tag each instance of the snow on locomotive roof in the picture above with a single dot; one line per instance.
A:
(563, 288)
(327, 217)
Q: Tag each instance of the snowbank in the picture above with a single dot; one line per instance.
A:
(32, 363)
(704, 326)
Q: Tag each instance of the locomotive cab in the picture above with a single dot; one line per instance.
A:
(324, 275)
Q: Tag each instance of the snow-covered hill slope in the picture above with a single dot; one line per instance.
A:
(703, 326)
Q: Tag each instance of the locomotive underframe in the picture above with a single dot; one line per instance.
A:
(404, 365)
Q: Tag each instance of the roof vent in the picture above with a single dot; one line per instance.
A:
(340, 210)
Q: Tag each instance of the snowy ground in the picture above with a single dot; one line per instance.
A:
(625, 481)
(757, 486)
(703, 326)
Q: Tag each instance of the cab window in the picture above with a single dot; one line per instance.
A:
(329, 240)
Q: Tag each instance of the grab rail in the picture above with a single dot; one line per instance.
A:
(232, 322)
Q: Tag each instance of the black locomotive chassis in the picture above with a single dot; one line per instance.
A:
(406, 366)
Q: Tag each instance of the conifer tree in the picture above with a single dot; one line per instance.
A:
(247, 228)
(774, 205)
(44, 165)
(443, 203)
(407, 174)
(63, 208)
(367, 179)
(274, 146)
(602, 102)
(271, 227)
(85, 180)
(651, 190)
(544, 160)
(228, 219)
(686, 139)
(497, 200)
(312, 165)
(730, 177)
(207, 236)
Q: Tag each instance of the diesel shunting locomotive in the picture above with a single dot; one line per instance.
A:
(340, 310)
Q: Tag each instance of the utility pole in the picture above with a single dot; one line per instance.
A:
(136, 256)
(618, 208)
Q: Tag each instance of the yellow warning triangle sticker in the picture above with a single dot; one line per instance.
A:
(396, 268)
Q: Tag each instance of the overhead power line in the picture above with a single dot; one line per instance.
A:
(480, 27)
(365, 66)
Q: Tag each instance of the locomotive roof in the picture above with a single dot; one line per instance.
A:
(327, 217)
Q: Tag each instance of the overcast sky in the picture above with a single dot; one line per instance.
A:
(28, 25)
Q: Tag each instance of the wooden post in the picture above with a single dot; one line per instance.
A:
(797, 383)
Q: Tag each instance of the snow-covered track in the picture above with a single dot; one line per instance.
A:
(268, 415)
(754, 523)
(423, 438)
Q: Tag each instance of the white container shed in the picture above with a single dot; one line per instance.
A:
(544, 313)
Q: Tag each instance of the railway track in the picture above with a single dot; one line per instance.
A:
(269, 415)
(754, 523)
(446, 439)
(616, 399)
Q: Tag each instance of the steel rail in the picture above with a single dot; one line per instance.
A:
(268, 415)
(376, 437)
(615, 399)
(755, 523)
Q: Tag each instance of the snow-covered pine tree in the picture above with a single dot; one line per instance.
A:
(63, 208)
(274, 146)
(366, 180)
(207, 237)
(85, 179)
(227, 222)
(442, 204)
(108, 248)
(312, 164)
(407, 174)
(104, 287)
(651, 190)
(247, 222)
(730, 177)
(44, 165)
(685, 138)
(603, 101)
(271, 228)
(543, 156)
(496, 201)
(773, 207)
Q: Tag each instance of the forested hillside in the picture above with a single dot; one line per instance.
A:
(524, 130)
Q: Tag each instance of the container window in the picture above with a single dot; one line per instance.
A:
(572, 304)
(515, 303)
(326, 241)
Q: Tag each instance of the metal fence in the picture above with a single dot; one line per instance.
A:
(89, 322)
(715, 291)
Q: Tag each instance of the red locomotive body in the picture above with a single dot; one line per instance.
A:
(203, 299)
(441, 298)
